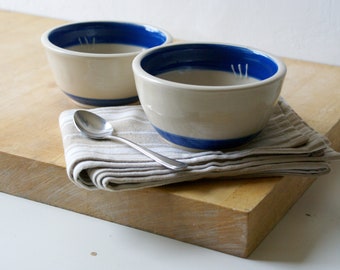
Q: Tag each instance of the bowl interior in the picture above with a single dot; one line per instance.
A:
(107, 37)
(209, 64)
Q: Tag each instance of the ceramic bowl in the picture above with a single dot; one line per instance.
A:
(208, 95)
(91, 61)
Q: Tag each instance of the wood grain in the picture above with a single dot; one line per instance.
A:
(231, 216)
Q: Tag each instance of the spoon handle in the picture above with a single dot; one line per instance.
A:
(165, 161)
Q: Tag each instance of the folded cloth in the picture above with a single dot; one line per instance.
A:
(287, 145)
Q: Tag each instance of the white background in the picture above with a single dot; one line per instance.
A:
(37, 236)
(302, 29)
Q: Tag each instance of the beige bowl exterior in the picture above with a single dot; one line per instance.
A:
(214, 115)
(94, 76)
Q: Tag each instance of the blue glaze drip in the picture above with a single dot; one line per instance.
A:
(204, 144)
(103, 102)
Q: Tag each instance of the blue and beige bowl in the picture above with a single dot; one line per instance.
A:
(208, 95)
(91, 61)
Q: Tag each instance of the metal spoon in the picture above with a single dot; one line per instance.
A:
(95, 127)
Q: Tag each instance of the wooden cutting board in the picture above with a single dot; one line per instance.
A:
(231, 216)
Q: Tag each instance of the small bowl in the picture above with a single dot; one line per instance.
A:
(91, 61)
(208, 95)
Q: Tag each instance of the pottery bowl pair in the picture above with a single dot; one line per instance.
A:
(196, 95)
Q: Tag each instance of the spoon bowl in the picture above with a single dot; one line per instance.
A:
(92, 125)
(97, 128)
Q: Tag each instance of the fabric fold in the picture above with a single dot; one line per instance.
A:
(287, 145)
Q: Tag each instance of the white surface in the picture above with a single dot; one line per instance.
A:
(37, 236)
(303, 29)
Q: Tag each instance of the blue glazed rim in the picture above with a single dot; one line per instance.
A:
(204, 144)
(210, 56)
(103, 102)
(99, 32)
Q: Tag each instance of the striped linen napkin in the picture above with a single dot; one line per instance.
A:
(286, 146)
